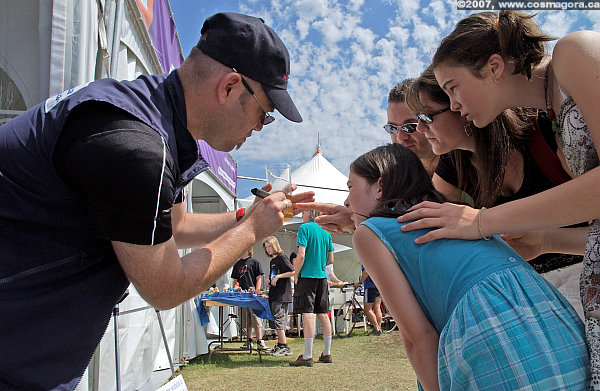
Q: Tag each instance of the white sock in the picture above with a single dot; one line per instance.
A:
(308, 342)
(327, 348)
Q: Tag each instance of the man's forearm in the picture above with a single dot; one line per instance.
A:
(298, 262)
(329, 259)
(195, 230)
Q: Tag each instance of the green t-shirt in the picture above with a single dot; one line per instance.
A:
(318, 245)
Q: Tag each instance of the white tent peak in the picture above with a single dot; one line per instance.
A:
(320, 176)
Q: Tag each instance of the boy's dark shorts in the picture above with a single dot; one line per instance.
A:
(311, 296)
(371, 294)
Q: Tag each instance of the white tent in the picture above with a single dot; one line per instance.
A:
(329, 185)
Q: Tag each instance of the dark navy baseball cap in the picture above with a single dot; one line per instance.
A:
(252, 48)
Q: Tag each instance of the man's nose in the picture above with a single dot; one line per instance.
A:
(400, 137)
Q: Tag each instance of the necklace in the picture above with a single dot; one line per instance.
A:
(548, 98)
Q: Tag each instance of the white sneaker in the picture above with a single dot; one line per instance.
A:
(261, 345)
(282, 351)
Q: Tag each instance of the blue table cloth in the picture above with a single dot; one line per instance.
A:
(258, 304)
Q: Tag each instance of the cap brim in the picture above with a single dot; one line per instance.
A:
(283, 103)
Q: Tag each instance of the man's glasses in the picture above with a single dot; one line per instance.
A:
(428, 118)
(406, 128)
(268, 117)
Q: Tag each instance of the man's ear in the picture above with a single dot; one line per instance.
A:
(226, 86)
(496, 66)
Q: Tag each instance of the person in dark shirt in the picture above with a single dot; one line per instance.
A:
(248, 274)
(280, 292)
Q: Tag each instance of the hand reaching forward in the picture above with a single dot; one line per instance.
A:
(335, 218)
(451, 220)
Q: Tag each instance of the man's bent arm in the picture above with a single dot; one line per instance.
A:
(165, 280)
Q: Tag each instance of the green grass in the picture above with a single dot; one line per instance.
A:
(360, 362)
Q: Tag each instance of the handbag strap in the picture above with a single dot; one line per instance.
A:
(545, 157)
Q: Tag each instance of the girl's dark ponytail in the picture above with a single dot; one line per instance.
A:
(521, 40)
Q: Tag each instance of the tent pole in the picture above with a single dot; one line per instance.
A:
(164, 337)
(116, 39)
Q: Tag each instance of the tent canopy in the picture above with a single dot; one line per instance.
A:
(320, 176)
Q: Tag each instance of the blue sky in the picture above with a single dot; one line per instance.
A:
(345, 57)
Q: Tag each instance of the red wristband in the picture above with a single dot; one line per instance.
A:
(239, 214)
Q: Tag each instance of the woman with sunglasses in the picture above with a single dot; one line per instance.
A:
(491, 62)
(494, 164)
(472, 315)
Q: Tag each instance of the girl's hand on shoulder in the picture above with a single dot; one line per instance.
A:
(451, 220)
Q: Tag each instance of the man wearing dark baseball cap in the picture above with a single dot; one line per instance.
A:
(96, 200)
(251, 47)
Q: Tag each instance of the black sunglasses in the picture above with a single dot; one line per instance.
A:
(406, 128)
(268, 117)
(428, 118)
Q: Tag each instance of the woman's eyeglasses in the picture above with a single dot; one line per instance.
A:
(406, 128)
(428, 118)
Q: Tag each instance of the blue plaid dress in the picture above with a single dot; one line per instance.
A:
(501, 325)
(513, 331)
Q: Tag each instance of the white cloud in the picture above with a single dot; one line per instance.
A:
(310, 10)
(364, 37)
(398, 34)
(355, 5)
(556, 23)
(405, 9)
(594, 18)
(427, 37)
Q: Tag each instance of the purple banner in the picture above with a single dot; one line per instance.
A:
(162, 31)
(221, 164)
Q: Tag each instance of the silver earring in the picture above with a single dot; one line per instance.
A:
(468, 130)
